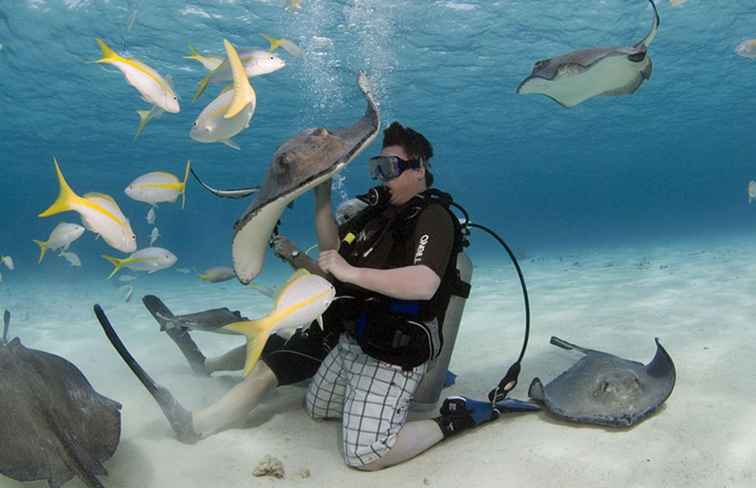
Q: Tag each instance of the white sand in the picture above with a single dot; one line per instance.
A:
(698, 301)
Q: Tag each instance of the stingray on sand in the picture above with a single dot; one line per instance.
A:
(53, 425)
(301, 163)
(605, 389)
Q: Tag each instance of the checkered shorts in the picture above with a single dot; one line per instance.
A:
(371, 397)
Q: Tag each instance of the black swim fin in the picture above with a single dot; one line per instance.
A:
(179, 417)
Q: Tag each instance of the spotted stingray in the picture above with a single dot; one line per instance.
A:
(301, 163)
(605, 389)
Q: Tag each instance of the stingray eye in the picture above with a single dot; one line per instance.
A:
(540, 63)
(637, 57)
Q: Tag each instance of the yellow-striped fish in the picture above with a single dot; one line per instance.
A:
(149, 259)
(99, 214)
(148, 82)
(159, 187)
(231, 111)
(303, 299)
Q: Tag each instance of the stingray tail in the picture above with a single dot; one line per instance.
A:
(183, 185)
(654, 28)
(77, 460)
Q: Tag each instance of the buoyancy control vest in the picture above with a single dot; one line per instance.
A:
(406, 333)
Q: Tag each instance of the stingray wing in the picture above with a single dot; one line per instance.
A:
(301, 163)
(607, 390)
(61, 427)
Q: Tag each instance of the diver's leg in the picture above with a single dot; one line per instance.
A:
(284, 362)
(414, 438)
(375, 411)
(233, 360)
(237, 403)
(325, 395)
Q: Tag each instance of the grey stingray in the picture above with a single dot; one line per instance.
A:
(579, 75)
(304, 161)
(212, 320)
(53, 425)
(605, 389)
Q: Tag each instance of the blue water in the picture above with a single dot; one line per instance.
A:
(665, 170)
(670, 162)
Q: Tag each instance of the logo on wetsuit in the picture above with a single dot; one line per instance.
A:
(421, 248)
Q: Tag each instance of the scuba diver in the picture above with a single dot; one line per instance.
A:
(395, 257)
(395, 269)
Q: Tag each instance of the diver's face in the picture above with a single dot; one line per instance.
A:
(407, 184)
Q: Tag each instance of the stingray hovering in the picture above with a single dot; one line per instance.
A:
(53, 425)
(574, 77)
(605, 389)
(301, 163)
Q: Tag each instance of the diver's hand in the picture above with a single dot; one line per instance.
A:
(332, 262)
(283, 247)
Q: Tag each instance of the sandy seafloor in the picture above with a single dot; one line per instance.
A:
(698, 299)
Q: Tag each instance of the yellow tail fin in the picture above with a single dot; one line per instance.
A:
(286, 44)
(118, 263)
(257, 332)
(144, 117)
(183, 185)
(274, 43)
(66, 196)
(201, 87)
(42, 249)
(243, 92)
(193, 54)
(108, 55)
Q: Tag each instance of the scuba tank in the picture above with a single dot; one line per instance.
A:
(429, 390)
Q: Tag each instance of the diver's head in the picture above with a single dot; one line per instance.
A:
(404, 163)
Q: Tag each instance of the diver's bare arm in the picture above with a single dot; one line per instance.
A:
(416, 282)
(302, 260)
(325, 223)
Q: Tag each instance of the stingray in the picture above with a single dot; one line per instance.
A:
(579, 75)
(53, 425)
(304, 161)
(605, 389)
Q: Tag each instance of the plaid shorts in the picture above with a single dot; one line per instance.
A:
(371, 397)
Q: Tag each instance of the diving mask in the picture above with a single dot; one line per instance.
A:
(386, 168)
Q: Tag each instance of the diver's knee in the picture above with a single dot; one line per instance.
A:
(376, 465)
